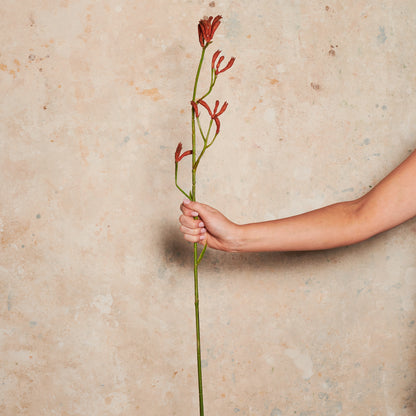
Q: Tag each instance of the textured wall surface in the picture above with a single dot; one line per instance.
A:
(96, 289)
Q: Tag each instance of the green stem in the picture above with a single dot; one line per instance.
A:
(199, 71)
(205, 144)
(193, 195)
(213, 79)
(202, 253)
(208, 145)
(200, 131)
(198, 332)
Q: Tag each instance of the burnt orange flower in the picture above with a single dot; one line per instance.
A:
(218, 124)
(214, 58)
(223, 108)
(213, 114)
(207, 28)
(216, 115)
(195, 107)
(178, 155)
(204, 104)
(228, 66)
(216, 65)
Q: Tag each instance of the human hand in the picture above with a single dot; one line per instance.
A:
(211, 227)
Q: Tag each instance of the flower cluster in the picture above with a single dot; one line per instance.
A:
(216, 65)
(207, 28)
(213, 114)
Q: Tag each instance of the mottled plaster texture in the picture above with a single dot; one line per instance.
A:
(96, 311)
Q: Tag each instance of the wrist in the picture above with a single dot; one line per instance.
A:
(249, 238)
(235, 240)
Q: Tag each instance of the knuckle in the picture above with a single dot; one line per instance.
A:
(190, 238)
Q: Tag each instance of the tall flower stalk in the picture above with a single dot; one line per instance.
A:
(206, 30)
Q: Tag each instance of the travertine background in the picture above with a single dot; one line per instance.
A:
(96, 283)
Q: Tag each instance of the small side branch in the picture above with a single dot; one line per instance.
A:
(202, 253)
(176, 182)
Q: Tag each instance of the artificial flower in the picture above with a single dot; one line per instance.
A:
(207, 28)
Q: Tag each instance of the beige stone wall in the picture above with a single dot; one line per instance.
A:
(96, 311)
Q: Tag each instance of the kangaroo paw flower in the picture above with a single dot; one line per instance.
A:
(195, 107)
(228, 66)
(178, 155)
(214, 114)
(214, 58)
(223, 108)
(204, 104)
(207, 28)
(218, 124)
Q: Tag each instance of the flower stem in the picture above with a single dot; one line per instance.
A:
(196, 259)
(198, 332)
(205, 139)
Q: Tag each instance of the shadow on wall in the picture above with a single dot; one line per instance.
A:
(349, 290)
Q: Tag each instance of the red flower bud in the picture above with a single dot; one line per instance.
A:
(217, 103)
(204, 104)
(223, 108)
(217, 122)
(219, 63)
(195, 107)
(214, 58)
(187, 153)
(201, 35)
(178, 152)
(216, 22)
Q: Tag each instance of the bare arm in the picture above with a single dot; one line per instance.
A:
(390, 203)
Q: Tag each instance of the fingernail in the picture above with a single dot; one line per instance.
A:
(202, 237)
(201, 224)
(203, 230)
(194, 214)
(186, 201)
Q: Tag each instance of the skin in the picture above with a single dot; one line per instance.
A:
(390, 203)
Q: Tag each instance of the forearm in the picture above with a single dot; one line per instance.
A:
(332, 226)
(391, 202)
